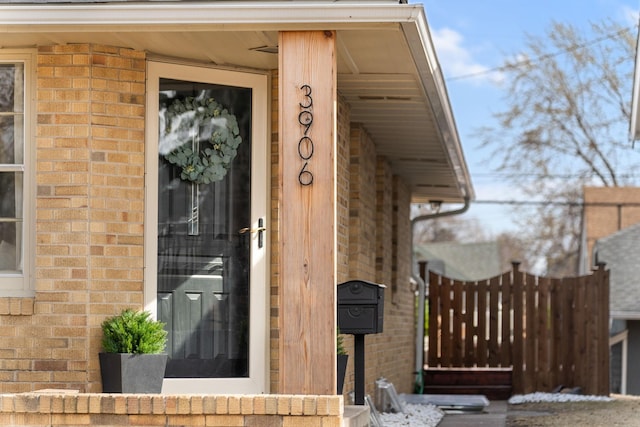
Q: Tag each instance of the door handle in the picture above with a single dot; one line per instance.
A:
(260, 230)
(251, 230)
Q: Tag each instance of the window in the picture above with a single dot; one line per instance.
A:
(15, 173)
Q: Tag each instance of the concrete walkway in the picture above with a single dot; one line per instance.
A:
(493, 416)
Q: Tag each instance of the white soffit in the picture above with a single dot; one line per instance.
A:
(387, 67)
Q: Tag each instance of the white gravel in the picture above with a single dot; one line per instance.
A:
(413, 415)
(426, 415)
(555, 397)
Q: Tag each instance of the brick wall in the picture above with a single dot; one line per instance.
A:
(606, 211)
(343, 183)
(379, 251)
(362, 206)
(90, 198)
(384, 222)
(398, 366)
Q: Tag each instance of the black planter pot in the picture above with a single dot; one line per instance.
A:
(132, 373)
(342, 369)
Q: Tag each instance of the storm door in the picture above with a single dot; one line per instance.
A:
(209, 233)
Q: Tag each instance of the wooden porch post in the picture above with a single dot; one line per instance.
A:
(307, 242)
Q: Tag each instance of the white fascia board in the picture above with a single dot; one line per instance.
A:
(276, 14)
(625, 315)
(635, 96)
(423, 51)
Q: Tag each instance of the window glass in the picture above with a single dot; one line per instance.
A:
(12, 145)
(8, 73)
(203, 259)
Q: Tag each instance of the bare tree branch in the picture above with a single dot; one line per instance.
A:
(567, 109)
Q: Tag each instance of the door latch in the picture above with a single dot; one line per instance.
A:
(260, 230)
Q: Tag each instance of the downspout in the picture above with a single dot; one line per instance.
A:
(418, 384)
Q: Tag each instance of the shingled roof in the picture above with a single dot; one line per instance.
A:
(462, 261)
(621, 253)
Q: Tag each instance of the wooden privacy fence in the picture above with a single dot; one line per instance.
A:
(550, 331)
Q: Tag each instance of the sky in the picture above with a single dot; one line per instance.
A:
(474, 37)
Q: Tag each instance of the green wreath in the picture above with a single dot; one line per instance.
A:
(186, 120)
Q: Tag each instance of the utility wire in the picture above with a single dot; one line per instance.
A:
(549, 203)
(545, 176)
(554, 203)
(541, 57)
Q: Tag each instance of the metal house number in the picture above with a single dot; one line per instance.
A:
(305, 143)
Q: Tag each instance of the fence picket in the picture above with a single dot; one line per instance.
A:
(457, 338)
(482, 323)
(580, 334)
(470, 326)
(518, 330)
(555, 353)
(592, 337)
(434, 315)
(505, 344)
(445, 315)
(603, 330)
(494, 308)
(544, 343)
(530, 332)
(568, 331)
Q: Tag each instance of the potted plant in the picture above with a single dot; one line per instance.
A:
(343, 357)
(132, 360)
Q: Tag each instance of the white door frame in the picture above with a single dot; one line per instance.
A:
(257, 382)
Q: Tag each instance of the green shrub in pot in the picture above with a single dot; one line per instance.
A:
(132, 360)
(133, 332)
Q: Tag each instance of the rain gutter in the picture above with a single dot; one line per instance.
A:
(422, 286)
(202, 15)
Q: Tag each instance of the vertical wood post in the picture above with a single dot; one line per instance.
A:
(434, 314)
(358, 348)
(506, 358)
(603, 345)
(518, 349)
(307, 243)
(470, 329)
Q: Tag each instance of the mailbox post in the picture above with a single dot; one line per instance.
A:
(360, 312)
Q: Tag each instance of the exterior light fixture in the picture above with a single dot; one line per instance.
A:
(435, 205)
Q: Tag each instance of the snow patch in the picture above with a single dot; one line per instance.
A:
(555, 397)
(413, 415)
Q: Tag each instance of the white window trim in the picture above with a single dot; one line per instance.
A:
(622, 337)
(22, 285)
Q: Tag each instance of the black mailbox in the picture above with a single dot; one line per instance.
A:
(360, 307)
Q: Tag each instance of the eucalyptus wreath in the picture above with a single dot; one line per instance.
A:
(188, 119)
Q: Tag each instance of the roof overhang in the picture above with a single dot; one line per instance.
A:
(635, 97)
(387, 66)
(625, 315)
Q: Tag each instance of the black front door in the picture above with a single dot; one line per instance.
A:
(204, 209)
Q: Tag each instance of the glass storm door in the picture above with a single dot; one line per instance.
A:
(209, 236)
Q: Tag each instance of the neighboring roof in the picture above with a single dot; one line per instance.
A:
(621, 252)
(387, 66)
(462, 261)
